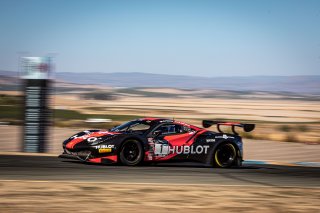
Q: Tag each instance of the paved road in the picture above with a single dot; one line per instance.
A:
(46, 168)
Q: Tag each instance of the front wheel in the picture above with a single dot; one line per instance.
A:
(225, 155)
(131, 153)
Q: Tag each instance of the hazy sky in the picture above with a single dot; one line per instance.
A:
(203, 38)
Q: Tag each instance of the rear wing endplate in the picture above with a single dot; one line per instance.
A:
(246, 127)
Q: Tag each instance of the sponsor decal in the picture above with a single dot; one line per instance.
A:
(82, 137)
(224, 136)
(92, 139)
(105, 150)
(211, 140)
(151, 148)
(104, 146)
(87, 135)
(165, 149)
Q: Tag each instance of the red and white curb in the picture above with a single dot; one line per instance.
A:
(280, 163)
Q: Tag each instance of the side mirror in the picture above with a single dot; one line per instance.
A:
(157, 133)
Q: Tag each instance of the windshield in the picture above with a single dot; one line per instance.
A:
(137, 125)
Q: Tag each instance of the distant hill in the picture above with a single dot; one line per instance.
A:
(8, 73)
(294, 84)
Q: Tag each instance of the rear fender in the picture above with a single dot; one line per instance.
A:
(209, 159)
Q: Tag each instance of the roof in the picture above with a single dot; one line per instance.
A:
(154, 119)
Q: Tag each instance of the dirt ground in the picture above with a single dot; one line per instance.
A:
(28, 196)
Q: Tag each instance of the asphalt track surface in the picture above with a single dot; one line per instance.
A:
(50, 168)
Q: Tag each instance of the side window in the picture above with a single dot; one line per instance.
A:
(168, 129)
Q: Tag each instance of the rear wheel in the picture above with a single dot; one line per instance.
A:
(131, 153)
(225, 155)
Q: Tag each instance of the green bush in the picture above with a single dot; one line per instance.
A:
(10, 99)
(285, 128)
(302, 128)
(291, 138)
(13, 112)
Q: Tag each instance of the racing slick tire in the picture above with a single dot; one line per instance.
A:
(225, 155)
(238, 161)
(131, 153)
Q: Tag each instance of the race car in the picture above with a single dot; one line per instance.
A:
(154, 140)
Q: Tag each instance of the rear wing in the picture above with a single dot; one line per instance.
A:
(246, 127)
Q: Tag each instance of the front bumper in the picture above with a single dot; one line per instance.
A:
(68, 156)
(111, 159)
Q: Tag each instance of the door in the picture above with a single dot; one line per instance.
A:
(173, 141)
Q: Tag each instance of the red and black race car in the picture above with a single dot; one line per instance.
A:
(158, 140)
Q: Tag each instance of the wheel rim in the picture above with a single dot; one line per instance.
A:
(131, 152)
(225, 155)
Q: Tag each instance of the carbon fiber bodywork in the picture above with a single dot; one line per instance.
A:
(177, 141)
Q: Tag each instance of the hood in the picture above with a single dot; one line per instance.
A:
(83, 140)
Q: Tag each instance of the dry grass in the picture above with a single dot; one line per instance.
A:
(110, 197)
(274, 118)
